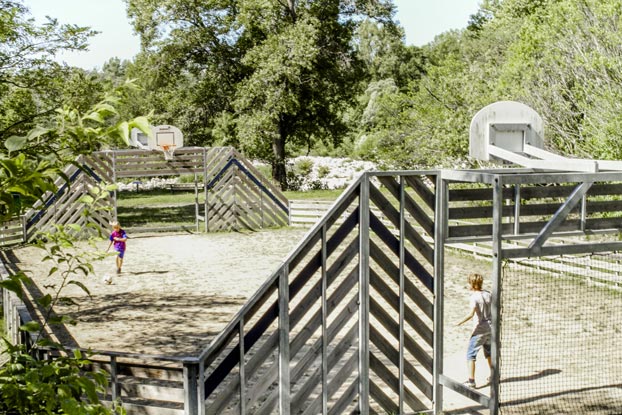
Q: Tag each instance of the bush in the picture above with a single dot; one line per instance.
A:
(303, 167)
(323, 171)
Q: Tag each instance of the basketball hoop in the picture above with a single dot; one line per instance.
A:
(168, 150)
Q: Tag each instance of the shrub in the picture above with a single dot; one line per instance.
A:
(303, 167)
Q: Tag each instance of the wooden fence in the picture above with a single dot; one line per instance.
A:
(349, 323)
(234, 194)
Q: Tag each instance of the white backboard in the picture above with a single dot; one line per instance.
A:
(508, 125)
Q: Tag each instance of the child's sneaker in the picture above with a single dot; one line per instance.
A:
(470, 383)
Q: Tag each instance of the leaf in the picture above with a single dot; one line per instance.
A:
(13, 285)
(124, 131)
(15, 143)
(86, 199)
(45, 301)
(94, 116)
(31, 327)
(142, 123)
(81, 285)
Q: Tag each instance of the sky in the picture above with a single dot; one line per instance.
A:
(422, 20)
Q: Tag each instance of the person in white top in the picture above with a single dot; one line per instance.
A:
(479, 303)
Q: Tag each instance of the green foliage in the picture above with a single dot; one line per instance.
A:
(269, 77)
(29, 165)
(323, 171)
(32, 84)
(30, 386)
(303, 167)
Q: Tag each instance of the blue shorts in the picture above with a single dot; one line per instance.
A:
(121, 253)
(476, 342)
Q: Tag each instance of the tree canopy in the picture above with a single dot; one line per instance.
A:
(283, 78)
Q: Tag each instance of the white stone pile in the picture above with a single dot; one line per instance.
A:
(341, 171)
(149, 184)
(325, 173)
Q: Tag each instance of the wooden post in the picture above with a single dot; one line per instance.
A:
(364, 295)
(497, 269)
(242, 368)
(205, 183)
(324, 325)
(114, 181)
(191, 399)
(196, 203)
(401, 295)
(284, 354)
(440, 226)
(115, 386)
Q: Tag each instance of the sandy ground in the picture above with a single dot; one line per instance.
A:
(175, 292)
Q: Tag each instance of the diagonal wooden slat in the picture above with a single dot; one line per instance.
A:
(392, 271)
(420, 382)
(409, 260)
(253, 365)
(377, 394)
(336, 382)
(410, 316)
(389, 378)
(411, 234)
(310, 355)
(393, 327)
(411, 206)
(422, 190)
(313, 380)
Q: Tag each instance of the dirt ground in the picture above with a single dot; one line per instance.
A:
(177, 291)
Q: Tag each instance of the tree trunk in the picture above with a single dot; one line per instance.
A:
(278, 165)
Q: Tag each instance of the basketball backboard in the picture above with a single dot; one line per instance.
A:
(507, 125)
(139, 139)
(166, 136)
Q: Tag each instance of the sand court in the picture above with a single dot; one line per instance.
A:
(175, 292)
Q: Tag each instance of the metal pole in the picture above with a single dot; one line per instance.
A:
(401, 298)
(364, 295)
(284, 354)
(440, 220)
(497, 269)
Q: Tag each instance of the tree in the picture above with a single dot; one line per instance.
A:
(566, 64)
(32, 84)
(29, 164)
(285, 70)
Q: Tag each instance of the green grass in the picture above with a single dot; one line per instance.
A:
(314, 194)
(161, 197)
(161, 207)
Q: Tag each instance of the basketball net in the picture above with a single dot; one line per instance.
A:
(168, 150)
